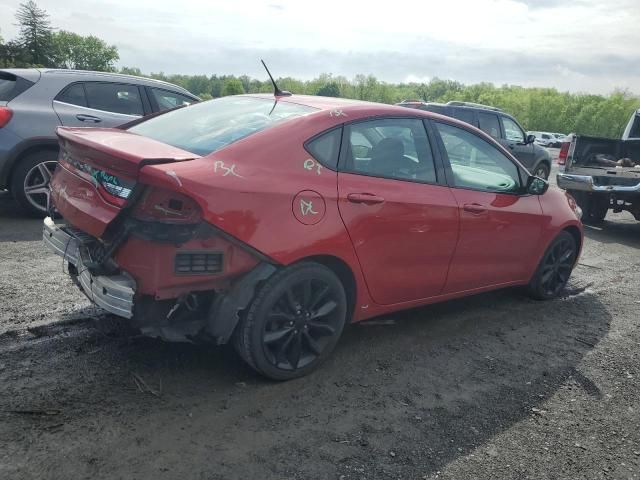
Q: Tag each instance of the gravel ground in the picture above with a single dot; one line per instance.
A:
(493, 386)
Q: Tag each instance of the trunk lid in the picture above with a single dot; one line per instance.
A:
(98, 171)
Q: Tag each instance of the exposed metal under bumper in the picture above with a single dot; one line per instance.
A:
(585, 183)
(113, 293)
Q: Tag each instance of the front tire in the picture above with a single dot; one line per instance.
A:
(555, 268)
(30, 181)
(542, 171)
(294, 321)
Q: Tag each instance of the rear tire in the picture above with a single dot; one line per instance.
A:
(294, 321)
(30, 181)
(594, 207)
(555, 268)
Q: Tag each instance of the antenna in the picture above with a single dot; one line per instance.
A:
(276, 91)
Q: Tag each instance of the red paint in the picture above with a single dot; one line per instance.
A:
(407, 244)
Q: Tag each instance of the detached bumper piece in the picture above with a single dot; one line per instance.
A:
(113, 293)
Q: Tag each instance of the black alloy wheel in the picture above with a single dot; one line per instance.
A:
(555, 268)
(294, 321)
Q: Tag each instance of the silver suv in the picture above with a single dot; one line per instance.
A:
(33, 102)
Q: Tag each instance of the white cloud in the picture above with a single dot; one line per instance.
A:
(568, 44)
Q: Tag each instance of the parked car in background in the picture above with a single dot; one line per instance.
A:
(560, 137)
(499, 125)
(274, 222)
(33, 102)
(603, 174)
(544, 139)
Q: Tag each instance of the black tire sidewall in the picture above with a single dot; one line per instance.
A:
(535, 286)
(264, 300)
(20, 172)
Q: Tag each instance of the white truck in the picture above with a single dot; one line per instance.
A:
(603, 174)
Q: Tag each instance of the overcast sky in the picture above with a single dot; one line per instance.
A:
(576, 45)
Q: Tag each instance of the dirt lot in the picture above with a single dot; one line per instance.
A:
(495, 386)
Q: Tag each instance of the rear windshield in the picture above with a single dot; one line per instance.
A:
(209, 126)
(12, 86)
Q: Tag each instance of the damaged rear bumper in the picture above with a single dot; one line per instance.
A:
(113, 293)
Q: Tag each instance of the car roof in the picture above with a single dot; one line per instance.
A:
(88, 75)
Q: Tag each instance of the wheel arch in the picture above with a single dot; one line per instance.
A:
(344, 273)
(25, 149)
(577, 236)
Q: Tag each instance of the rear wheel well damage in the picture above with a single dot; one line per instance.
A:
(227, 309)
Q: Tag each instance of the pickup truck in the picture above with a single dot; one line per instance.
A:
(603, 174)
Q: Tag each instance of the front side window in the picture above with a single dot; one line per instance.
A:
(114, 97)
(389, 148)
(205, 127)
(512, 131)
(476, 164)
(488, 123)
(167, 100)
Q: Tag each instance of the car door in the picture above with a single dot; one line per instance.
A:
(98, 104)
(401, 217)
(500, 228)
(515, 140)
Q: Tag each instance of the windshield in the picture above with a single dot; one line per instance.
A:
(209, 126)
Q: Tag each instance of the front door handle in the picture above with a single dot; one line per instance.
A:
(474, 208)
(88, 118)
(366, 198)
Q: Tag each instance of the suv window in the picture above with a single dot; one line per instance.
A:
(114, 97)
(488, 123)
(512, 131)
(463, 114)
(399, 149)
(73, 94)
(11, 86)
(325, 149)
(167, 99)
(476, 164)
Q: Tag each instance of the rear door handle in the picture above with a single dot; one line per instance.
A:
(88, 118)
(474, 208)
(366, 198)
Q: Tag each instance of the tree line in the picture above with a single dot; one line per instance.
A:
(546, 109)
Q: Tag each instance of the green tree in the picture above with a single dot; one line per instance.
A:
(232, 86)
(70, 50)
(35, 33)
(330, 89)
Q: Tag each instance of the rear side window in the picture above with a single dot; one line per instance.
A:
(11, 86)
(463, 114)
(167, 100)
(488, 123)
(73, 94)
(205, 127)
(326, 148)
(114, 97)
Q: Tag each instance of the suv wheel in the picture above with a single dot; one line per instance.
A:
(542, 171)
(594, 207)
(30, 181)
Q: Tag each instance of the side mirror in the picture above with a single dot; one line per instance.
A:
(536, 185)
(530, 139)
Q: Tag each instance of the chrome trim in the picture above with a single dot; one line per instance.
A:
(585, 183)
(113, 293)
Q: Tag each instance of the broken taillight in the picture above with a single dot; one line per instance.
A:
(5, 115)
(165, 206)
(564, 151)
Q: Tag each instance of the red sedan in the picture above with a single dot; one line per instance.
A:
(274, 221)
